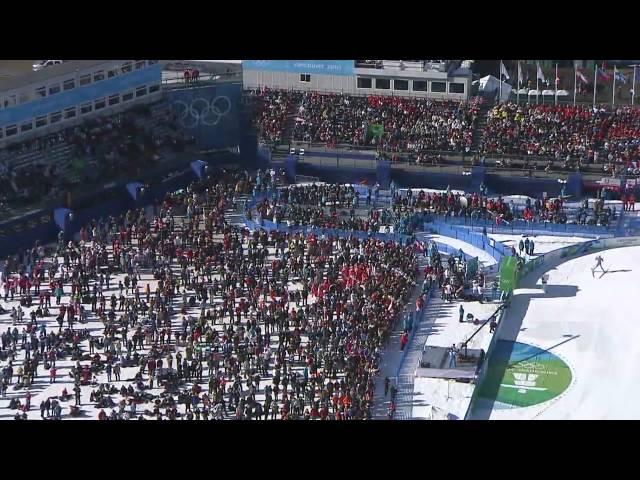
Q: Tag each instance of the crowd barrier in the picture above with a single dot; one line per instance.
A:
(566, 253)
(333, 232)
(306, 229)
(414, 329)
(522, 227)
(496, 249)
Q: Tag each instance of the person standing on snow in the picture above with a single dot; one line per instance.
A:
(599, 261)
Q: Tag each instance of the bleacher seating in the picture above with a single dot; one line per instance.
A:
(102, 147)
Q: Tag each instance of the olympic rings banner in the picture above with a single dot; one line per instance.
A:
(324, 67)
(209, 113)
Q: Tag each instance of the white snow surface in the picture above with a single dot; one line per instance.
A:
(599, 320)
(43, 389)
(452, 397)
(543, 243)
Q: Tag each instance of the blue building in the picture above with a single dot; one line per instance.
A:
(33, 104)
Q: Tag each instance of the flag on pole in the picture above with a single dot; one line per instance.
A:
(581, 76)
(602, 75)
(520, 80)
(540, 75)
(375, 130)
(503, 71)
(620, 77)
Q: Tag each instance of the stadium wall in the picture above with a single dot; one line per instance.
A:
(211, 113)
(354, 162)
(531, 187)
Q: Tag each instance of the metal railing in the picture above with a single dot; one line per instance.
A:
(495, 249)
(414, 330)
(492, 161)
(523, 227)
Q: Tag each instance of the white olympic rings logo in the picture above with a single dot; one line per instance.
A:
(201, 111)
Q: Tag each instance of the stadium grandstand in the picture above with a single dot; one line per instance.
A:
(315, 239)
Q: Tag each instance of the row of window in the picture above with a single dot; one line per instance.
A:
(409, 85)
(73, 112)
(70, 83)
(400, 84)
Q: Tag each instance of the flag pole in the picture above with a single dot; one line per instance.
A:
(518, 94)
(575, 82)
(613, 98)
(595, 81)
(537, 82)
(556, 82)
(633, 88)
(500, 84)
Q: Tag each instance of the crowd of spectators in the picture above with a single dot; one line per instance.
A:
(481, 207)
(575, 135)
(338, 195)
(478, 206)
(110, 146)
(229, 324)
(569, 137)
(410, 124)
(273, 108)
(544, 130)
(322, 217)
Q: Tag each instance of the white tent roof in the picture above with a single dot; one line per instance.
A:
(562, 93)
(491, 84)
(548, 92)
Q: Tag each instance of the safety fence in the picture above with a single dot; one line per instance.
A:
(268, 225)
(523, 227)
(327, 232)
(496, 249)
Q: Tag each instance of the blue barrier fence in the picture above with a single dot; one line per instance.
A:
(522, 227)
(333, 232)
(306, 229)
(496, 249)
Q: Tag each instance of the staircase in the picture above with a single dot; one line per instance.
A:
(290, 123)
(236, 216)
(406, 379)
(279, 155)
(478, 133)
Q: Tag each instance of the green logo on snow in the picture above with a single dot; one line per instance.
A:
(524, 375)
